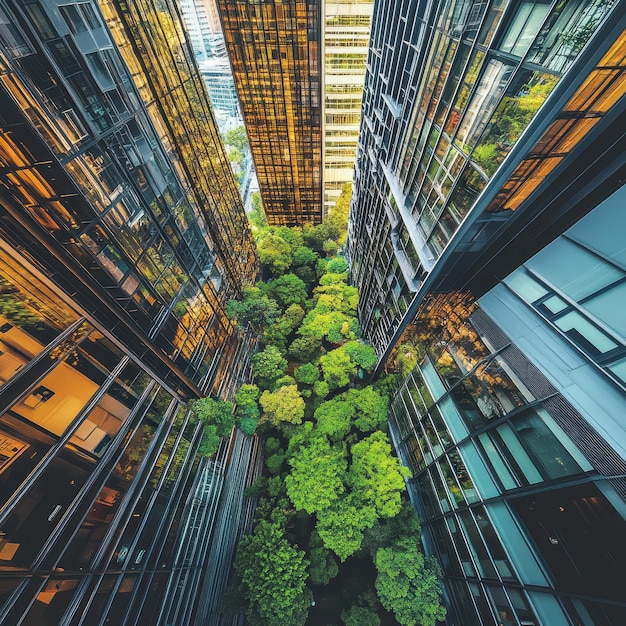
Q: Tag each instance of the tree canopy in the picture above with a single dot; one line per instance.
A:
(215, 412)
(273, 577)
(283, 405)
(407, 585)
(376, 475)
(268, 366)
(315, 481)
(255, 308)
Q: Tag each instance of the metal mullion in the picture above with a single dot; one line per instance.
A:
(8, 394)
(67, 516)
(38, 470)
(105, 461)
(173, 503)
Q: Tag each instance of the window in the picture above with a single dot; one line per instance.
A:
(524, 27)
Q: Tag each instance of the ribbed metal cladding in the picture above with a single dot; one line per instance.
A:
(597, 451)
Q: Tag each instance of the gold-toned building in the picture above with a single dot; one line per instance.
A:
(275, 51)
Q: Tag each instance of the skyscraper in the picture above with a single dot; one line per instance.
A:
(346, 35)
(489, 131)
(122, 235)
(275, 51)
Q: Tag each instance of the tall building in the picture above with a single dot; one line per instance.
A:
(219, 82)
(276, 55)
(346, 35)
(202, 24)
(484, 239)
(122, 235)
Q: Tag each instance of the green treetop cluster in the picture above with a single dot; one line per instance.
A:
(332, 490)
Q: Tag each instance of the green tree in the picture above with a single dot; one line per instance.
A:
(274, 252)
(279, 331)
(283, 405)
(304, 265)
(323, 567)
(337, 265)
(338, 368)
(268, 366)
(386, 531)
(247, 396)
(307, 373)
(377, 477)
(330, 247)
(210, 441)
(337, 297)
(255, 308)
(288, 289)
(273, 578)
(315, 480)
(360, 616)
(332, 326)
(370, 408)
(361, 353)
(305, 349)
(247, 410)
(337, 219)
(237, 137)
(247, 425)
(341, 525)
(256, 217)
(305, 256)
(407, 585)
(215, 412)
(316, 236)
(292, 235)
(335, 417)
(275, 462)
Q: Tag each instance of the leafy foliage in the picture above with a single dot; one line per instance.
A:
(210, 441)
(377, 476)
(337, 266)
(334, 418)
(283, 405)
(341, 525)
(307, 373)
(248, 425)
(323, 567)
(370, 408)
(237, 137)
(268, 365)
(407, 585)
(217, 413)
(273, 578)
(360, 616)
(361, 353)
(288, 289)
(315, 480)
(274, 252)
(338, 368)
(304, 349)
(255, 309)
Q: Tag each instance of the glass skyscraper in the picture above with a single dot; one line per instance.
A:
(122, 235)
(276, 56)
(484, 240)
(346, 36)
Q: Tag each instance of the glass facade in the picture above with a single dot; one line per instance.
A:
(275, 52)
(452, 91)
(512, 426)
(484, 238)
(346, 35)
(122, 235)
